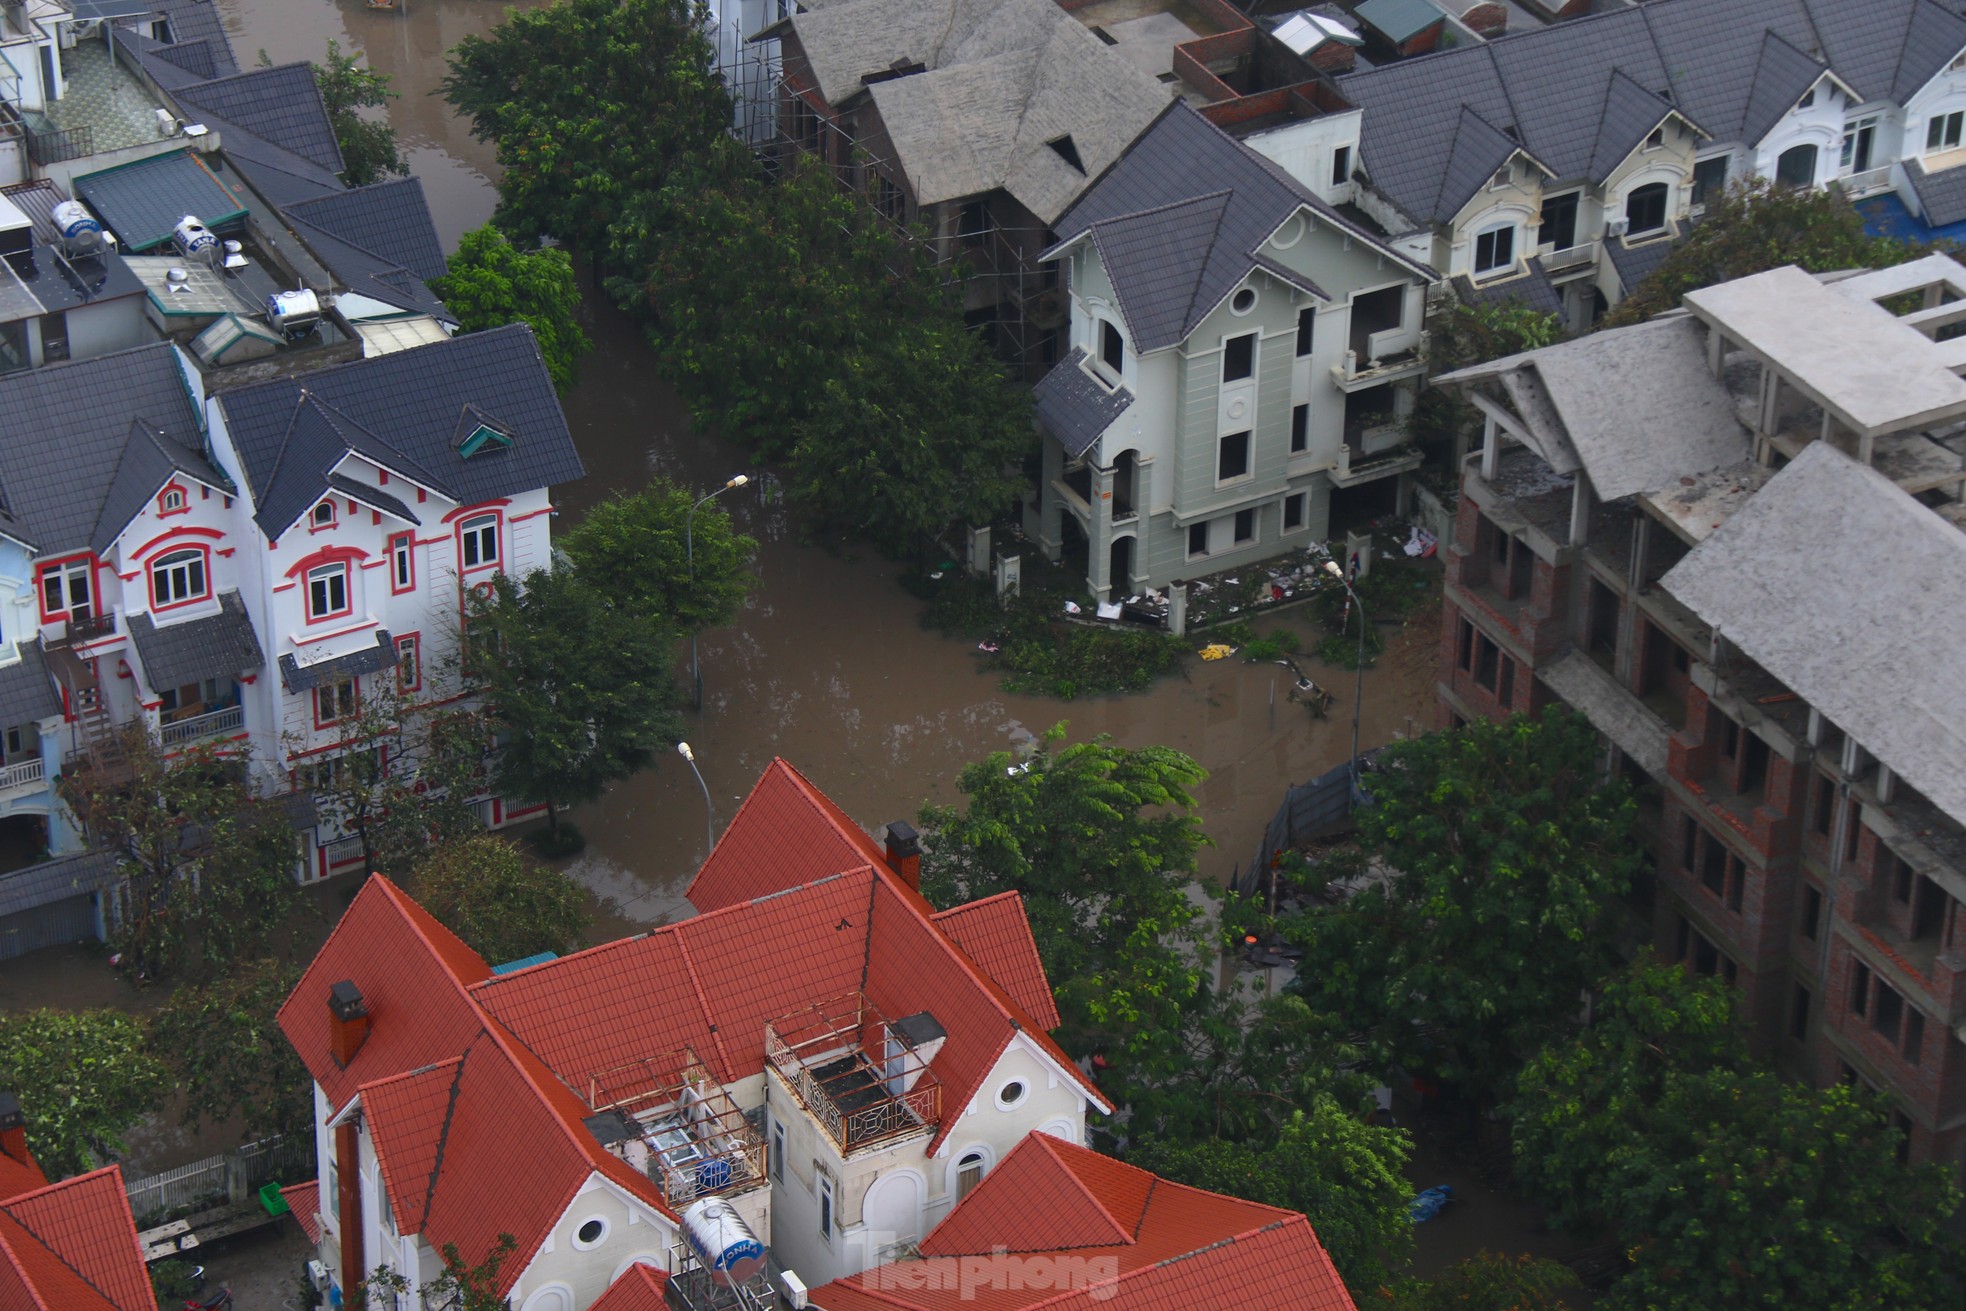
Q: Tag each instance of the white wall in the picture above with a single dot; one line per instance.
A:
(1305, 149)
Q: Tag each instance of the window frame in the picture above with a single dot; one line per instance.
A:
(1244, 440)
(1202, 528)
(1703, 191)
(1341, 166)
(402, 560)
(340, 707)
(171, 561)
(823, 1188)
(1500, 236)
(1661, 192)
(315, 523)
(974, 1158)
(1300, 502)
(66, 570)
(1233, 344)
(324, 573)
(1300, 428)
(1245, 520)
(1545, 221)
(164, 505)
(1112, 348)
(1945, 131)
(1306, 331)
(488, 520)
(412, 643)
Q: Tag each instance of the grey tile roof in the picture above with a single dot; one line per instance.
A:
(1476, 152)
(1845, 588)
(217, 646)
(1941, 195)
(373, 497)
(55, 880)
(281, 105)
(1074, 408)
(1178, 221)
(67, 427)
(48, 287)
(27, 690)
(1630, 114)
(1532, 289)
(150, 458)
(390, 220)
(142, 202)
(198, 22)
(1635, 263)
(1712, 60)
(1396, 20)
(369, 274)
(401, 410)
(297, 677)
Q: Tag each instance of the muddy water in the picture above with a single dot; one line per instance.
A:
(827, 665)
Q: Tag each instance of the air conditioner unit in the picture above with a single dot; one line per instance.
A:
(317, 1274)
(1614, 227)
(795, 1290)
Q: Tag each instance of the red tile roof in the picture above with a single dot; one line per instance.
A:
(786, 833)
(639, 1289)
(72, 1245)
(997, 935)
(412, 972)
(20, 1174)
(1057, 1226)
(304, 1205)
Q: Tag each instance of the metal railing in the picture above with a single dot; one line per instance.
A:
(229, 719)
(26, 772)
(89, 628)
(826, 1048)
(233, 1175)
(59, 145)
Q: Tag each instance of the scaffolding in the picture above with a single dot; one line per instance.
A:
(861, 1097)
(670, 1119)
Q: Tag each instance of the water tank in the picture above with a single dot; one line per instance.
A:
(730, 1252)
(192, 236)
(291, 310)
(75, 220)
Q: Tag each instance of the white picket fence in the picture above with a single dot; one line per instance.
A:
(233, 1176)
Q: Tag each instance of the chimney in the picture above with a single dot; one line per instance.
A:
(350, 1025)
(904, 853)
(13, 1128)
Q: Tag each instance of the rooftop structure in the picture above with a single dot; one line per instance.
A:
(67, 1246)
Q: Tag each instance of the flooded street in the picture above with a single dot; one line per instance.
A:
(827, 666)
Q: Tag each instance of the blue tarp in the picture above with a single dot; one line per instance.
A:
(1886, 216)
(539, 958)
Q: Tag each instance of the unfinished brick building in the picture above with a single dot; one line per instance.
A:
(1733, 538)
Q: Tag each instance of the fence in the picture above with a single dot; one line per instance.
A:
(234, 1176)
(1308, 810)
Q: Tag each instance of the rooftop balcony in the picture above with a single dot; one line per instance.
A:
(669, 1118)
(862, 1097)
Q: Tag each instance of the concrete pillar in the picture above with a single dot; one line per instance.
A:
(1177, 607)
(1580, 509)
(1866, 449)
(1716, 351)
(1360, 545)
(1099, 565)
(1641, 545)
(1815, 727)
(1491, 447)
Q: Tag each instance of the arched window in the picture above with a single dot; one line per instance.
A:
(1645, 209)
(177, 577)
(1796, 167)
(171, 501)
(969, 1171)
(324, 514)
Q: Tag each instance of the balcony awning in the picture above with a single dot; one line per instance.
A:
(27, 693)
(218, 646)
(56, 880)
(368, 660)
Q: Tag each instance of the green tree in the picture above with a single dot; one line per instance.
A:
(503, 905)
(207, 866)
(1486, 1281)
(83, 1078)
(1465, 334)
(368, 144)
(1759, 225)
(492, 282)
(222, 1044)
(634, 547)
(592, 105)
(1504, 849)
(1101, 841)
(1345, 1175)
(577, 684)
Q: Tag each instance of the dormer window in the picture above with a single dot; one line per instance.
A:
(1657, 139)
(1808, 99)
(171, 501)
(1495, 249)
(483, 438)
(1503, 176)
(323, 516)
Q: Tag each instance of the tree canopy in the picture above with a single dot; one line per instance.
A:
(368, 145)
(83, 1079)
(223, 1046)
(503, 905)
(592, 105)
(492, 282)
(636, 548)
(1759, 225)
(1486, 1281)
(1503, 850)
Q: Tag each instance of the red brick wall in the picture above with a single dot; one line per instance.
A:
(1334, 57)
(1486, 20)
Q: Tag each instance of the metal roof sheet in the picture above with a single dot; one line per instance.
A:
(142, 202)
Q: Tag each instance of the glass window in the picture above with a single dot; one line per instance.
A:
(1293, 512)
(1197, 539)
(409, 662)
(1239, 357)
(1112, 346)
(334, 701)
(1232, 460)
(478, 541)
(1709, 179)
(173, 500)
(1306, 326)
(969, 1173)
(402, 562)
(1796, 167)
(1341, 166)
(1558, 225)
(178, 577)
(1942, 131)
(1495, 249)
(1245, 526)
(1645, 209)
(327, 591)
(826, 1208)
(1300, 428)
(324, 514)
(65, 588)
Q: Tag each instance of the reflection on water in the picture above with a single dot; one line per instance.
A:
(826, 665)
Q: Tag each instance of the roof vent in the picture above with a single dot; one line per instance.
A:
(1067, 151)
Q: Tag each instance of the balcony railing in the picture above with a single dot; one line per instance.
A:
(212, 723)
(859, 1101)
(23, 774)
(676, 1123)
(88, 628)
(58, 145)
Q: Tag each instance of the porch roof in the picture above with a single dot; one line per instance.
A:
(218, 646)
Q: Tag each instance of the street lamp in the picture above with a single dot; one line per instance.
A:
(1337, 571)
(689, 547)
(709, 813)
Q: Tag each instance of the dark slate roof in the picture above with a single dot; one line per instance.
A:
(1635, 262)
(197, 22)
(369, 274)
(1477, 150)
(218, 646)
(1712, 60)
(1630, 114)
(1178, 219)
(51, 288)
(27, 691)
(68, 426)
(370, 659)
(281, 105)
(143, 201)
(1941, 195)
(1074, 408)
(373, 497)
(1533, 289)
(55, 880)
(400, 411)
(388, 219)
(150, 457)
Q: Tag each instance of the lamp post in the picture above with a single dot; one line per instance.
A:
(689, 548)
(709, 812)
(1337, 571)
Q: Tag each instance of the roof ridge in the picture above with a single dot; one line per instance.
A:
(1214, 235)
(35, 1234)
(703, 1000)
(1049, 1146)
(443, 1136)
(979, 901)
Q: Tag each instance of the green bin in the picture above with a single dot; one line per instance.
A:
(269, 1197)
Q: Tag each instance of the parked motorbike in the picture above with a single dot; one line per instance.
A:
(218, 1300)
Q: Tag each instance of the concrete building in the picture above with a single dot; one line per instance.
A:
(1733, 537)
(1242, 353)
